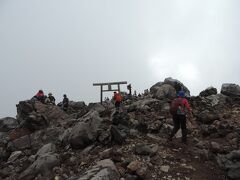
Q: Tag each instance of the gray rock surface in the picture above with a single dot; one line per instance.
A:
(165, 91)
(8, 123)
(104, 170)
(229, 89)
(85, 132)
(47, 148)
(43, 165)
(208, 92)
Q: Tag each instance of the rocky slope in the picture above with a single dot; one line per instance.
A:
(97, 142)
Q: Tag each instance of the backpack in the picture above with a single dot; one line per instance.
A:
(177, 107)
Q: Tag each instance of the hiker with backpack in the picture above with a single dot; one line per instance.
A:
(180, 109)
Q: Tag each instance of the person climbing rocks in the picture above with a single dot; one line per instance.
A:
(180, 109)
(117, 99)
(65, 103)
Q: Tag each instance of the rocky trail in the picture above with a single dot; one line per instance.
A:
(96, 142)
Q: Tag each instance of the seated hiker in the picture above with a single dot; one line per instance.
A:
(50, 99)
(117, 99)
(40, 96)
(65, 102)
(179, 109)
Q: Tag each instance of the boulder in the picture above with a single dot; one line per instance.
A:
(177, 85)
(4, 138)
(103, 170)
(4, 154)
(24, 108)
(165, 91)
(15, 155)
(144, 149)
(86, 132)
(230, 163)
(45, 136)
(207, 117)
(82, 135)
(165, 168)
(230, 89)
(96, 107)
(207, 130)
(214, 100)
(77, 105)
(7, 124)
(47, 148)
(36, 121)
(35, 115)
(155, 87)
(134, 166)
(120, 118)
(43, 165)
(208, 92)
(141, 104)
(215, 147)
(63, 138)
(21, 143)
(119, 133)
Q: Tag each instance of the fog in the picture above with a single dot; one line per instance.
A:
(63, 46)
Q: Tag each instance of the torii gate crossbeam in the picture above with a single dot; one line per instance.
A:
(109, 87)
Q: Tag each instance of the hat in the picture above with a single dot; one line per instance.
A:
(181, 94)
(50, 94)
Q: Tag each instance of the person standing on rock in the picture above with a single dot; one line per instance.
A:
(117, 99)
(65, 102)
(179, 109)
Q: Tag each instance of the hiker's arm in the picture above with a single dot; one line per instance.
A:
(186, 104)
(190, 115)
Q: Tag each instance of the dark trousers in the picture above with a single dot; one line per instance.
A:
(179, 121)
(117, 104)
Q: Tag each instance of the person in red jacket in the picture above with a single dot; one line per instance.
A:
(40, 96)
(179, 110)
(117, 99)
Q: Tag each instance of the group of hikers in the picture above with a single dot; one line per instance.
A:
(50, 99)
(179, 108)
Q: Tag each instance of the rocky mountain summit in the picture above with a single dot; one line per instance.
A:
(96, 142)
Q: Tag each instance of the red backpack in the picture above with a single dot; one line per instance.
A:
(177, 106)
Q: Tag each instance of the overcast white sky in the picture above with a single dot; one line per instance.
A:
(64, 46)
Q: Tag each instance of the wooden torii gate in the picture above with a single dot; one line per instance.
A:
(109, 87)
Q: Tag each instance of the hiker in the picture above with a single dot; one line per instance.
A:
(65, 102)
(117, 99)
(129, 95)
(50, 99)
(179, 109)
(129, 87)
(39, 96)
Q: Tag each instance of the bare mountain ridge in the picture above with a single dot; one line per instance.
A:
(98, 142)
